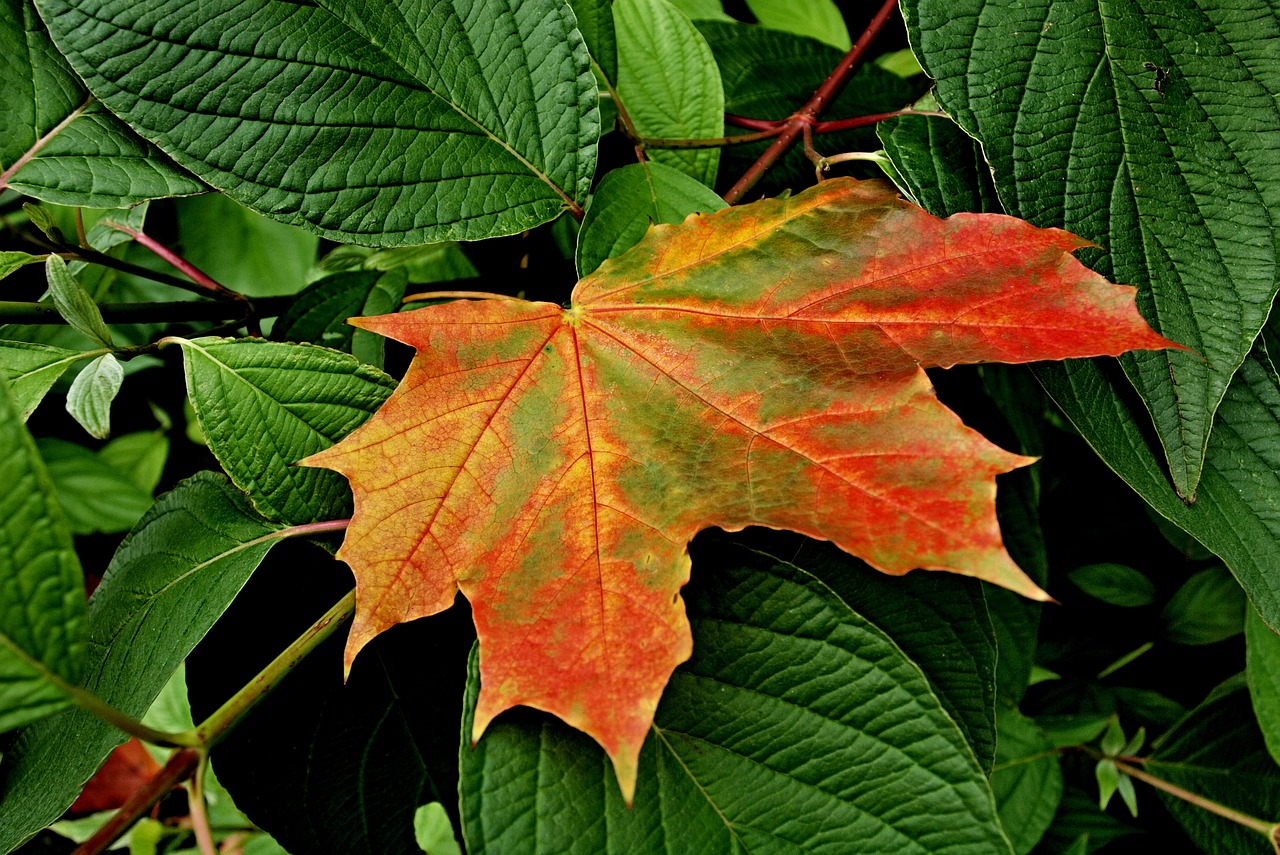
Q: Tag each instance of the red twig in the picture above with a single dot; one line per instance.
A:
(176, 261)
(862, 121)
(807, 115)
(180, 766)
(753, 124)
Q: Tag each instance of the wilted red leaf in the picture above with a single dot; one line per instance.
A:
(759, 366)
(128, 767)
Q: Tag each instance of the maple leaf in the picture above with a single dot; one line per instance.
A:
(763, 365)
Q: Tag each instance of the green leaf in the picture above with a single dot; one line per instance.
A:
(242, 250)
(1108, 777)
(1149, 131)
(1217, 752)
(11, 261)
(1262, 658)
(141, 456)
(1078, 819)
(374, 121)
(32, 369)
(817, 19)
(789, 696)
(91, 393)
(1116, 584)
(165, 586)
(900, 63)
(433, 831)
(669, 83)
(628, 201)
(1209, 607)
(74, 303)
(595, 22)
(95, 496)
(1027, 780)
(42, 617)
(941, 167)
(702, 10)
(264, 405)
(59, 144)
(319, 313)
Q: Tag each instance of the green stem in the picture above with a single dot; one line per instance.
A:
(210, 731)
(199, 809)
(180, 766)
(1125, 660)
(144, 313)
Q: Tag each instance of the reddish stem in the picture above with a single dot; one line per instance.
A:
(180, 766)
(176, 261)
(753, 124)
(807, 115)
(862, 121)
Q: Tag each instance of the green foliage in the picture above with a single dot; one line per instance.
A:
(353, 154)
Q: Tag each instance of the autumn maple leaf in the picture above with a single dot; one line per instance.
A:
(763, 365)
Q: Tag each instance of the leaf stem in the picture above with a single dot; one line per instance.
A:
(210, 731)
(199, 809)
(177, 262)
(807, 115)
(30, 153)
(179, 767)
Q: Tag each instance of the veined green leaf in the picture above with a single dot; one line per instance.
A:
(74, 303)
(669, 83)
(1209, 607)
(32, 369)
(95, 496)
(628, 201)
(319, 313)
(1027, 779)
(595, 22)
(941, 167)
(1148, 128)
(790, 699)
(374, 121)
(42, 613)
(167, 584)
(816, 19)
(11, 261)
(264, 405)
(1262, 658)
(59, 144)
(92, 392)
(140, 456)
(702, 10)
(1116, 584)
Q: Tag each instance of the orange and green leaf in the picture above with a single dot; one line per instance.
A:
(758, 366)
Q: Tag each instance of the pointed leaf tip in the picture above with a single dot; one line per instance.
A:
(763, 365)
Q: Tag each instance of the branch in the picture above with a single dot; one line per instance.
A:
(177, 262)
(180, 766)
(146, 313)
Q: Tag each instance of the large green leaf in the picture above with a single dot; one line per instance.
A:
(816, 19)
(264, 405)
(1217, 752)
(669, 83)
(94, 495)
(595, 21)
(797, 726)
(242, 250)
(1262, 657)
(1148, 128)
(41, 591)
(1027, 779)
(319, 313)
(940, 167)
(167, 584)
(58, 143)
(373, 121)
(32, 369)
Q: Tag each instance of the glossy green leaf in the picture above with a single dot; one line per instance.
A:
(795, 727)
(92, 392)
(816, 19)
(242, 250)
(1217, 752)
(141, 456)
(669, 83)
(264, 405)
(1262, 658)
(595, 22)
(59, 144)
(74, 303)
(370, 121)
(319, 313)
(1116, 584)
(167, 584)
(41, 591)
(96, 496)
(1027, 779)
(32, 369)
(628, 201)
(1209, 607)
(1147, 128)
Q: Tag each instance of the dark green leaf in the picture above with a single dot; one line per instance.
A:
(74, 303)
(32, 369)
(1209, 607)
(41, 592)
(1115, 584)
(941, 166)
(263, 406)
(595, 22)
(244, 251)
(376, 121)
(167, 584)
(628, 201)
(1217, 752)
(797, 726)
(669, 83)
(1027, 779)
(1078, 817)
(1262, 657)
(319, 314)
(91, 393)
(96, 496)
(1147, 128)
(58, 144)
(816, 19)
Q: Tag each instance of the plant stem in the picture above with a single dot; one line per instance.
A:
(874, 118)
(80, 232)
(455, 295)
(177, 262)
(199, 810)
(210, 731)
(753, 124)
(1125, 660)
(145, 313)
(1270, 830)
(711, 142)
(807, 115)
(180, 766)
(42, 142)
